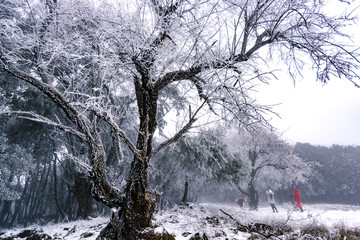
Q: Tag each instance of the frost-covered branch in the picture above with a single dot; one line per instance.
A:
(38, 118)
(179, 134)
(117, 131)
(76, 160)
(175, 138)
(48, 90)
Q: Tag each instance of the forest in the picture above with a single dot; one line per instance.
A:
(123, 108)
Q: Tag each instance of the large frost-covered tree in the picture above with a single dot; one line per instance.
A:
(202, 57)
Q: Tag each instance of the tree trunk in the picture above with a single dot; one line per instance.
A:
(140, 200)
(19, 204)
(40, 203)
(5, 213)
(129, 221)
(134, 216)
(81, 190)
(253, 194)
(28, 191)
(186, 190)
(59, 209)
(253, 197)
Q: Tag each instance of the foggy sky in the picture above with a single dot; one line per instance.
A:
(314, 113)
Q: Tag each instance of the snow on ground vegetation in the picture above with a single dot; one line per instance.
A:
(219, 221)
(225, 221)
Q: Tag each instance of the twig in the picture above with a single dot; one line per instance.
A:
(302, 219)
(250, 230)
(76, 161)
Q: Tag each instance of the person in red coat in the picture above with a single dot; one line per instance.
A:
(297, 199)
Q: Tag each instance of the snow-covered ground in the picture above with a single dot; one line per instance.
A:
(212, 220)
(217, 221)
(81, 229)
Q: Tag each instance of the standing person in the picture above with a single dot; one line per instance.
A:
(297, 199)
(241, 202)
(271, 200)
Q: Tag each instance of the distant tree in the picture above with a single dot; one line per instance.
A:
(191, 166)
(15, 166)
(270, 162)
(212, 52)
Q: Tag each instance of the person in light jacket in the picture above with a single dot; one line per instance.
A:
(271, 200)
